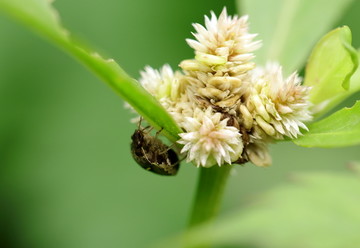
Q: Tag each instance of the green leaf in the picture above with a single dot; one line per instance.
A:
(339, 129)
(290, 28)
(331, 65)
(41, 17)
(354, 86)
(316, 210)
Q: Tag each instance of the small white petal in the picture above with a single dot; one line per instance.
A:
(211, 141)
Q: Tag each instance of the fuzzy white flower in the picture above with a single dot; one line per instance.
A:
(279, 106)
(258, 154)
(179, 109)
(229, 110)
(163, 83)
(223, 46)
(208, 139)
(219, 92)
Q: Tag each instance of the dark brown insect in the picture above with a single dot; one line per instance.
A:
(152, 154)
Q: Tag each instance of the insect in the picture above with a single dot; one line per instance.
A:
(152, 154)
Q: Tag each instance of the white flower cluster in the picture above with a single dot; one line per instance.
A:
(229, 108)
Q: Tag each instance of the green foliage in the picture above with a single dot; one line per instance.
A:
(289, 29)
(93, 207)
(316, 210)
(340, 129)
(43, 19)
(332, 63)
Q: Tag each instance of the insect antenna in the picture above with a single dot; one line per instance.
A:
(149, 128)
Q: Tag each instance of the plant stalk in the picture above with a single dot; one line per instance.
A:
(209, 194)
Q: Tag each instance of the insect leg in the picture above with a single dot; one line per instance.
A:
(179, 161)
(169, 148)
(158, 132)
(149, 128)
(145, 155)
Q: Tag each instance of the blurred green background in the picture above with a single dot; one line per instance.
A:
(67, 176)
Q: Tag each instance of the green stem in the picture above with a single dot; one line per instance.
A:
(209, 194)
